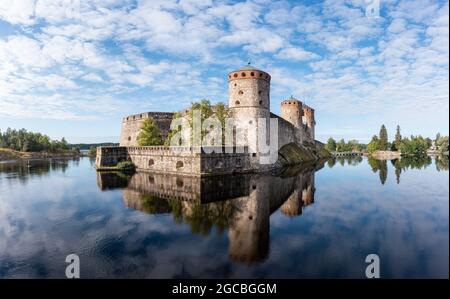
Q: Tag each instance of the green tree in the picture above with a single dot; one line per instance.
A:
(398, 139)
(220, 111)
(92, 151)
(149, 134)
(331, 144)
(442, 143)
(341, 146)
(383, 136)
(416, 145)
(374, 144)
(438, 136)
(64, 145)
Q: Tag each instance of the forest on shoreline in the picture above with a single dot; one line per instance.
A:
(412, 145)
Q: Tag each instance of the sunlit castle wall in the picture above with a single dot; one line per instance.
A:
(131, 126)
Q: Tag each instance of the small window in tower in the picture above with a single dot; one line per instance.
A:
(235, 84)
(237, 103)
(260, 74)
(252, 74)
(243, 74)
(151, 162)
(260, 102)
(129, 138)
(240, 92)
(235, 75)
(179, 164)
(259, 91)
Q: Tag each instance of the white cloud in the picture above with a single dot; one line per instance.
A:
(17, 12)
(296, 54)
(167, 51)
(92, 77)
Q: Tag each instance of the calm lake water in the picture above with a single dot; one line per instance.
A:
(316, 221)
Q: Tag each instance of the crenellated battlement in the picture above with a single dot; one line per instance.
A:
(154, 115)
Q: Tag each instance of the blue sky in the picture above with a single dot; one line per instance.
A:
(75, 68)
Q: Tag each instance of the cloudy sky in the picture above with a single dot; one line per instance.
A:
(75, 68)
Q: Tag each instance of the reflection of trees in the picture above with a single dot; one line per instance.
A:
(154, 205)
(379, 166)
(23, 170)
(350, 160)
(441, 163)
(404, 163)
(353, 161)
(202, 217)
(398, 169)
(331, 162)
(415, 162)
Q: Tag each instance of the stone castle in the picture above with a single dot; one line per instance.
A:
(249, 98)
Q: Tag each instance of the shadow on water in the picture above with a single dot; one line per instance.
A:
(238, 204)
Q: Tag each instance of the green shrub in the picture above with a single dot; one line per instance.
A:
(126, 166)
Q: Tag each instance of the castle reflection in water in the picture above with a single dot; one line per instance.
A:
(238, 204)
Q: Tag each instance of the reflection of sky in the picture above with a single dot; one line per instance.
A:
(47, 217)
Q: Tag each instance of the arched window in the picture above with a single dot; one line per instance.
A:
(151, 162)
(240, 92)
(252, 74)
(237, 103)
(243, 74)
(179, 164)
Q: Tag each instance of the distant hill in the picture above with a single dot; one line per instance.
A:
(86, 146)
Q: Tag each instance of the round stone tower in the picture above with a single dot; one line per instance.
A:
(249, 100)
(249, 92)
(309, 121)
(292, 111)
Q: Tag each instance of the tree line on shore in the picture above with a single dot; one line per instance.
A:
(25, 141)
(413, 145)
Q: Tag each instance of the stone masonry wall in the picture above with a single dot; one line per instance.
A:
(176, 160)
(131, 126)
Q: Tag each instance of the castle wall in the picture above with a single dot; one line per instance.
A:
(131, 126)
(287, 132)
(177, 160)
